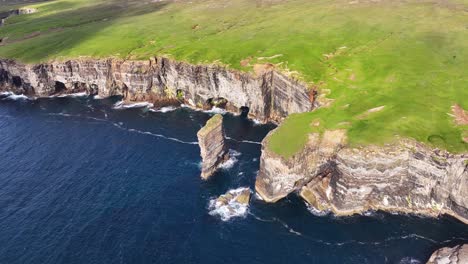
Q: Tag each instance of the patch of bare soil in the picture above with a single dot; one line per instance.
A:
(460, 115)
(261, 69)
(245, 62)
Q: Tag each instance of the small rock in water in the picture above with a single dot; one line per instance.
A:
(232, 204)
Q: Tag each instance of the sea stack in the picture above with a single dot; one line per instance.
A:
(212, 146)
(455, 255)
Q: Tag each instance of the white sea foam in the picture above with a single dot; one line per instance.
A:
(231, 161)
(120, 125)
(231, 209)
(15, 97)
(123, 105)
(164, 109)
(216, 110)
(98, 97)
(81, 94)
(316, 211)
(409, 260)
(244, 141)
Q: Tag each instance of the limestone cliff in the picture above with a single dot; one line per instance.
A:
(401, 177)
(455, 255)
(212, 146)
(268, 97)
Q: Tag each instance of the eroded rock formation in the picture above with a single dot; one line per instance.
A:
(212, 146)
(233, 203)
(455, 255)
(405, 176)
(268, 97)
(278, 177)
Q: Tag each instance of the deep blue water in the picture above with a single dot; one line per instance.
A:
(81, 182)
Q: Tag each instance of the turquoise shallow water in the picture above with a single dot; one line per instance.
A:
(82, 182)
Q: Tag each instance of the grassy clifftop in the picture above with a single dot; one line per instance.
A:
(388, 68)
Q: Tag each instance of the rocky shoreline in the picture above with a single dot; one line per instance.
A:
(404, 176)
(268, 97)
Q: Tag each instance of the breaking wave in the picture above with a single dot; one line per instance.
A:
(316, 211)
(231, 208)
(81, 94)
(123, 105)
(12, 96)
(164, 109)
(409, 260)
(216, 110)
(231, 161)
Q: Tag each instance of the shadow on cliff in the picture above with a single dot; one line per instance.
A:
(49, 33)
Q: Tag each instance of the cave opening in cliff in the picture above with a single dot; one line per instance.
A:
(244, 111)
(59, 87)
(17, 82)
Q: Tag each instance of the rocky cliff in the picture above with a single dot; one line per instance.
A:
(403, 177)
(212, 146)
(455, 255)
(268, 97)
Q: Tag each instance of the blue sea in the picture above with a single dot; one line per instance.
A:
(82, 182)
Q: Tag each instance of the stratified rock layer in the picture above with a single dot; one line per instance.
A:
(268, 97)
(403, 177)
(278, 177)
(212, 146)
(455, 255)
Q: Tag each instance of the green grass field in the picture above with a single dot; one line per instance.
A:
(409, 56)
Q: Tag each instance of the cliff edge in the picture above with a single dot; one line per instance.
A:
(405, 176)
(270, 96)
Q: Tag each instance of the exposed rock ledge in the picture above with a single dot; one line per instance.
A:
(269, 97)
(212, 146)
(16, 12)
(455, 255)
(405, 176)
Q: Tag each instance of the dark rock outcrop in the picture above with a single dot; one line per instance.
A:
(22, 11)
(268, 97)
(212, 146)
(455, 255)
(405, 176)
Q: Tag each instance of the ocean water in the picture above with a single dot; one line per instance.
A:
(82, 182)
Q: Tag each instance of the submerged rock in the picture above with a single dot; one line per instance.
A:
(232, 204)
(455, 255)
(212, 146)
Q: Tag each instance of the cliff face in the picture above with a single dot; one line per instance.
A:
(455, 255)
(212, 146)
(278, 177)
(403, 177)
(269, 97)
